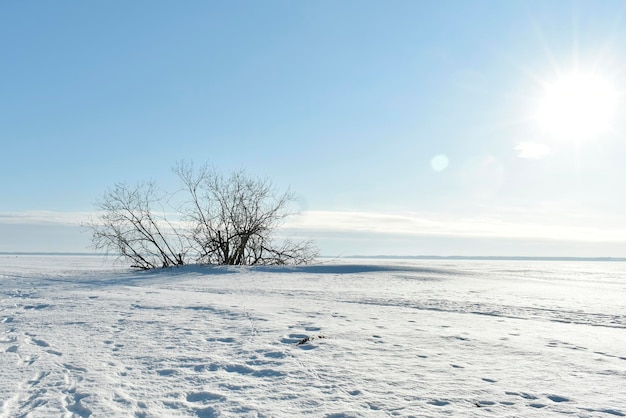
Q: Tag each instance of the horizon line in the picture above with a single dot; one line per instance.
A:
(380, 256)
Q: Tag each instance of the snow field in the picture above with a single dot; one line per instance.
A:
(430, 338)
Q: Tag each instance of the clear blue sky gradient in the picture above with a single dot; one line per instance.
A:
(346, 102)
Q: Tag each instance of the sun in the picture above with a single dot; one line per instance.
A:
(577, 107)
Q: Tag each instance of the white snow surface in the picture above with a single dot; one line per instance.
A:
(80, 337)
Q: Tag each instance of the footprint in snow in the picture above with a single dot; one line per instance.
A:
(613, 412)
(75, 407)
(558, 399)
(275, 354)
(74, 368)
(167, 372)
(38, 378)
(26, 360)
(207, 412)
(204, 397)
(226, 340)
(8, 339)
(293, 338)
(438, 402)
(40, 343)
(522, 394)
(312, 329)
(36, 307)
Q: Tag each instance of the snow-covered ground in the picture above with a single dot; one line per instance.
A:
(386, 338)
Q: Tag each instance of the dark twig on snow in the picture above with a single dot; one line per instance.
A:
(309, 339)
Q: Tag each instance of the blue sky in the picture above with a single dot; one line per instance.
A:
(405, 127)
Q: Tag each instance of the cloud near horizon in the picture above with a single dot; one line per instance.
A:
(510, 225)
(45, 217)
(449, 225)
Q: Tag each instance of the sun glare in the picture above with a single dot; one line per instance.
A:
(577, 107)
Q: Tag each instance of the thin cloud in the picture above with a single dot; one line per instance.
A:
(45, 217)
(451, 225)
(505, 224)
(165, 220)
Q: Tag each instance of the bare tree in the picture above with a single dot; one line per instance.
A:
(230, 220)
(128, 225)
(235, 219)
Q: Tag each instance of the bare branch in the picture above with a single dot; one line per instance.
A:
(225, 220)
(128, 226)
(236, 216)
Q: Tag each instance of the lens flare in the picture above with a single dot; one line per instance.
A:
(439, 162)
